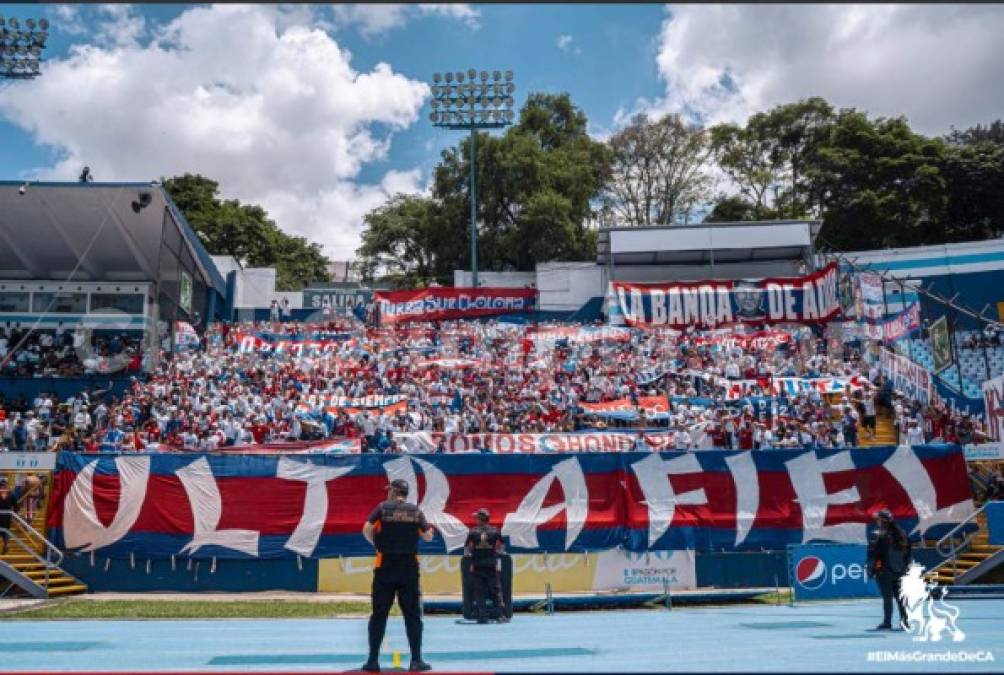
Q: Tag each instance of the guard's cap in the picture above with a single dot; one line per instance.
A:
(398, 485)
(482, 514)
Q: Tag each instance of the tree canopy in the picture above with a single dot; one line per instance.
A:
(536, 185)
(246, 232)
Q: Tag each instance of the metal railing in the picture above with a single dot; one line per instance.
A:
(53, 556)
(951, 537)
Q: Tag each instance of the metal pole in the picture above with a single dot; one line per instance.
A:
(474, 207)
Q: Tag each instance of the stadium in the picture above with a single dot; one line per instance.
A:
(696, 436)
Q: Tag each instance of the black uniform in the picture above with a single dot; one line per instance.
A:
(889, 556)
(7, 503)
(481, 551)
(397, 526)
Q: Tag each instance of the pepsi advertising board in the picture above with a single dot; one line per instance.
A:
(825, 571)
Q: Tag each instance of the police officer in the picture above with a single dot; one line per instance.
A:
(889, 556)
(482, 549)
(394, 528)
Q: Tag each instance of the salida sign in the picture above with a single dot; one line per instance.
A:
(271, 507)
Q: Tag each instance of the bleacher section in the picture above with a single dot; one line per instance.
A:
(972, 364)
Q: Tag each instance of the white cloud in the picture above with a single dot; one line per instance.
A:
(66, 19)
(248, 95)
(934, 63)
(565, 44)
(376, 19)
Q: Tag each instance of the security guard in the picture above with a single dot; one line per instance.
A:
(394, 528)
(889, 557)
(482, 549)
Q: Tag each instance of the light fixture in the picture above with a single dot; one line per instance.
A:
(472, 106)
(21, 49)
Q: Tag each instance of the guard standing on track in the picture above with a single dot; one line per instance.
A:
(482, 549)
(394, 528)
(889, 556)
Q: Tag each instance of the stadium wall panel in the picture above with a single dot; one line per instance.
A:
(123, 575)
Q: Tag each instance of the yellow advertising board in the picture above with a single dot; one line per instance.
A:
(566, 572)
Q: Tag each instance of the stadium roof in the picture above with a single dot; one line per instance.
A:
(92, 231)
(707, 243)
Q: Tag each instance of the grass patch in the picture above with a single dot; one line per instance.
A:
(192, 609)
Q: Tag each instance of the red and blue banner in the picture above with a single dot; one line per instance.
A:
(435, 304)
(807, 300)
(254, 506)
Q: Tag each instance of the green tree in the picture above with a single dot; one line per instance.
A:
(658, 171)
(751, 157)
(245, 232)
(536, 188)
(731, 209)
(878, 183)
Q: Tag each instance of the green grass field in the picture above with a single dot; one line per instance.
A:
(190, 609)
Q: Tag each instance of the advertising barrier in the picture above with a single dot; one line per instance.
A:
(255, 506)
(433, 304)
(613, 569)
(826, 571)
(808, 299)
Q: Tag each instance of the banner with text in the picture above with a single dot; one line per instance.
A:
(254, 506)
(433, 304)
(908, 378)
(808, 299)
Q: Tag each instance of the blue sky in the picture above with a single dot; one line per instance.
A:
(321, 112)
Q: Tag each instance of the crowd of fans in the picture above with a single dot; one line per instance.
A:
(62, 353)
(466, 377)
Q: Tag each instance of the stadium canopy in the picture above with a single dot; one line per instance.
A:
(708, 243)
(92, 231)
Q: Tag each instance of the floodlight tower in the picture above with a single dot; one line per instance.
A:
(476, 104)
(21, 47)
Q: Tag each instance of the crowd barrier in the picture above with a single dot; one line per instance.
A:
(201, 506)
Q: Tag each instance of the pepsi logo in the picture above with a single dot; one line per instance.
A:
(810, 572)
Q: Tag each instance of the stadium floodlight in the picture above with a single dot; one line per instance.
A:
(21, 50)
(470, 107)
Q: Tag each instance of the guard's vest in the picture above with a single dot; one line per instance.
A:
(397, 530)
(483, 554)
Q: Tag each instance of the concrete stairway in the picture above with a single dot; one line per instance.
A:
(48, 580)
(974, 560)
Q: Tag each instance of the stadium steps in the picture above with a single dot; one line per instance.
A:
(885, 432)
(977, 559)
(23, 574)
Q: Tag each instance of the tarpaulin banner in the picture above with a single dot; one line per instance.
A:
(908, 378)
(902, 324)
(787, 387)
(579, 334)
(808, 299)
(993, 404)
(185, 335)
(764, 340)
(621, 409)
(872, 305)
(328, 445)
(233, 506)
(263, 343)
(432, 304)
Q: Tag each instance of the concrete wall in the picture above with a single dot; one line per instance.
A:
(462, 278)
(748, 270)
(566, 286)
